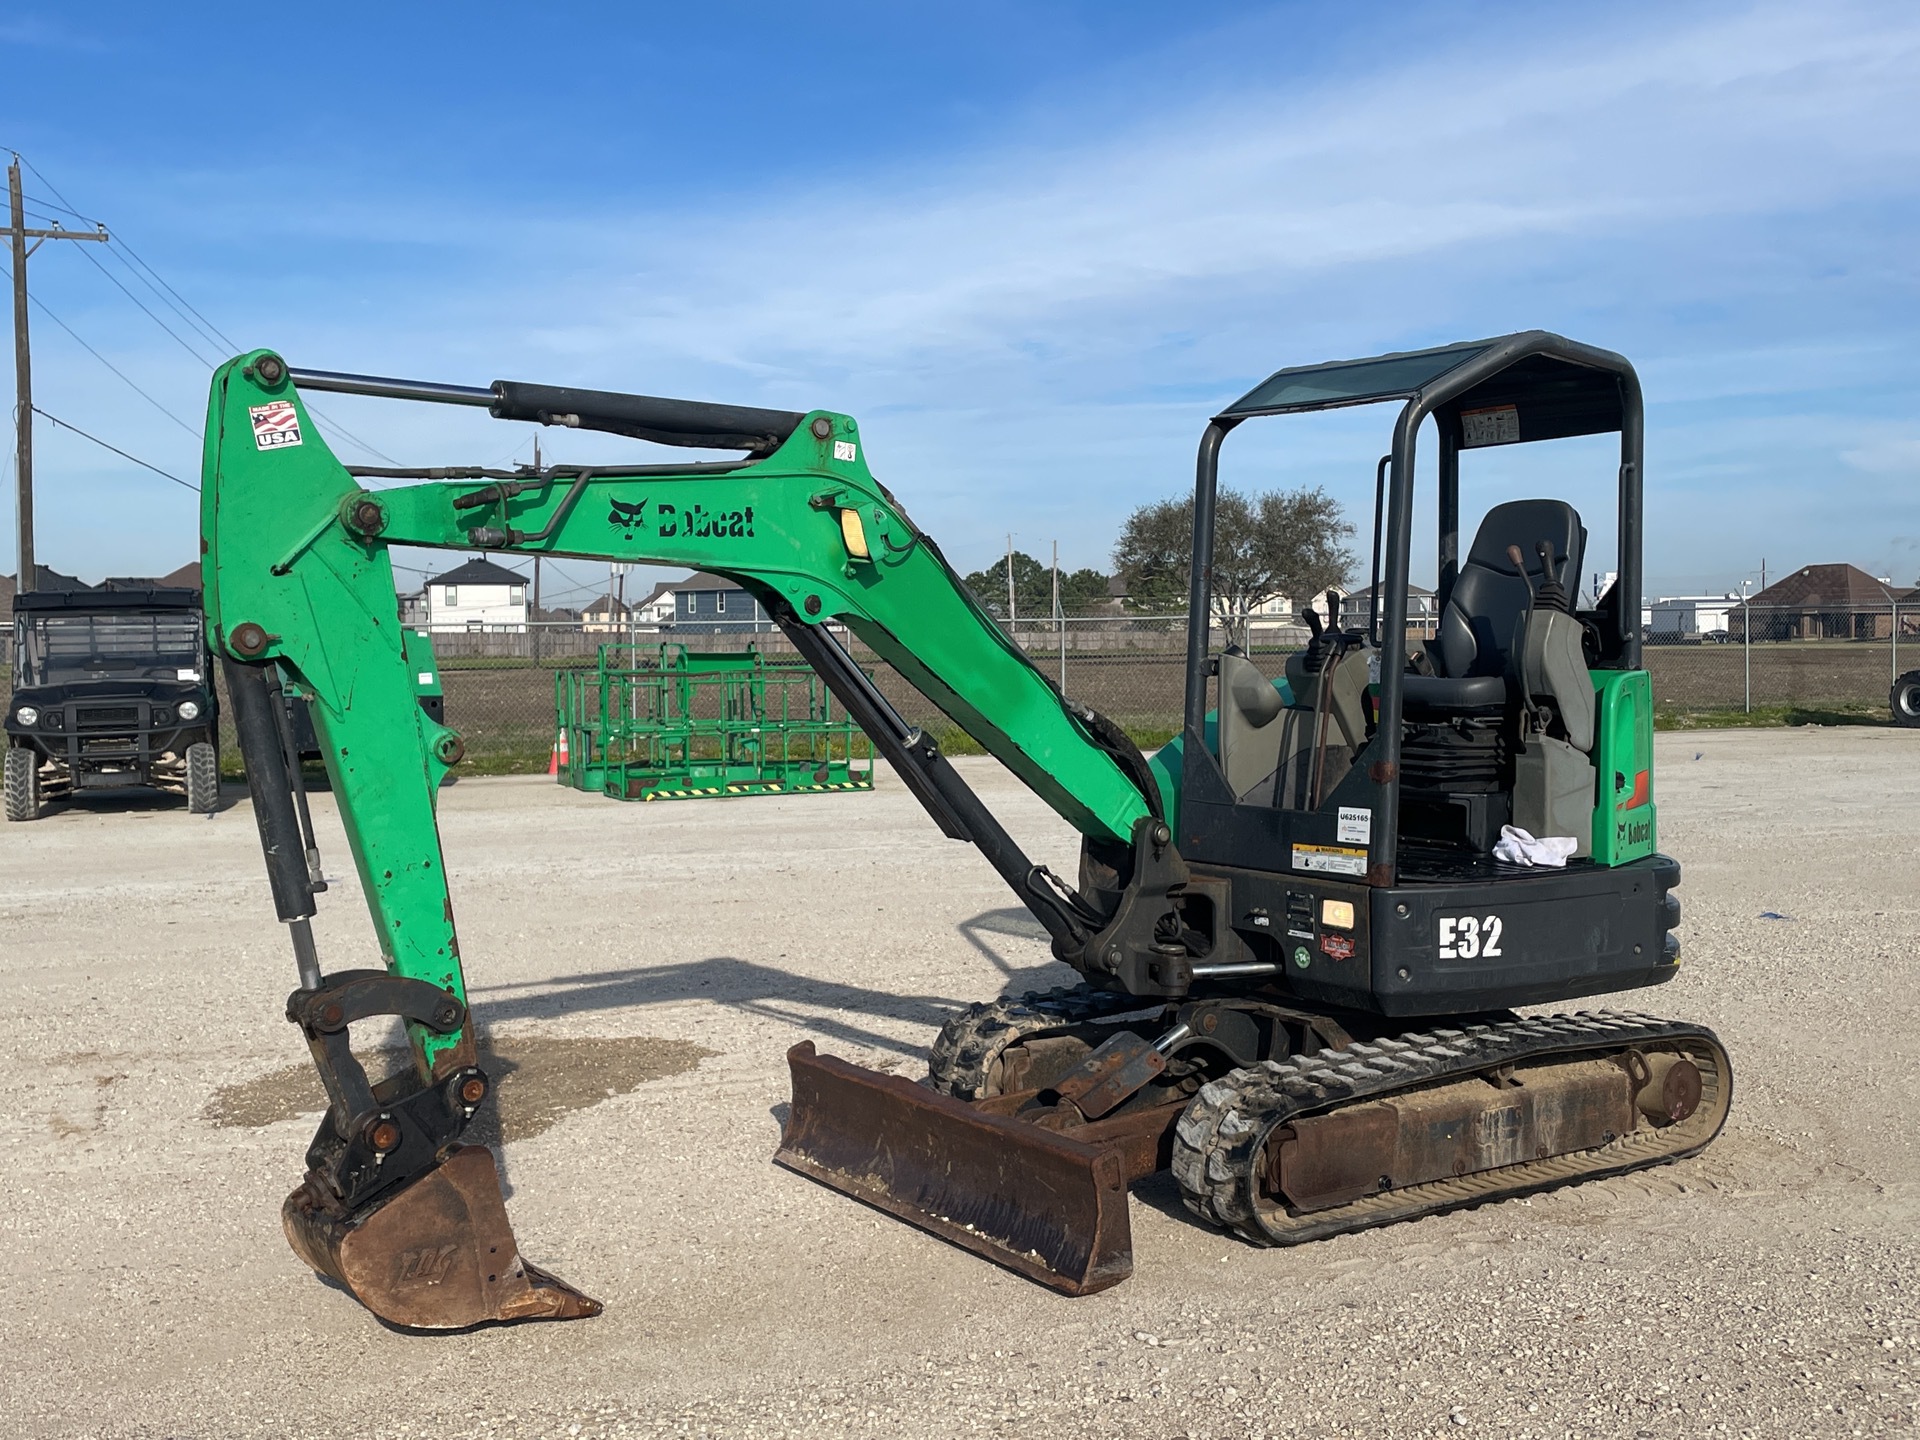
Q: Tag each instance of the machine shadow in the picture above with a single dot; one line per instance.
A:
(816, 1007)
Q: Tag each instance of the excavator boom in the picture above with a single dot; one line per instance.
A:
(300, 597)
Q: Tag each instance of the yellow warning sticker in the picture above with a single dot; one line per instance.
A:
(1330, 860)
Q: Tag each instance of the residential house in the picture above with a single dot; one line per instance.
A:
(605, 616)
(707, 605)
(478, 595)
(1423, 609)
(1824, 602)
(657, 609)
(47, 578)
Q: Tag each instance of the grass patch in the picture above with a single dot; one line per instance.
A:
(1768, 717)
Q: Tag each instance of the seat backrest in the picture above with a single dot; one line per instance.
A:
(1476, 627)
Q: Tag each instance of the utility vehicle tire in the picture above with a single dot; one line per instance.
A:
(1905, 700)
(23, 784)
(203, 779)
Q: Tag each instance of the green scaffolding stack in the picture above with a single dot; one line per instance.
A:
(669, 723)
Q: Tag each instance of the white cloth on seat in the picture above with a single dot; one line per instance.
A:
(1516, 847)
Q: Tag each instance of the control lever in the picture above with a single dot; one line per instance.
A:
(1536, 714)
(1552, 594)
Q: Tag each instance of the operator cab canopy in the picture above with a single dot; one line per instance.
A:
(1537, 397)
(1505, 390)
(1480, 692)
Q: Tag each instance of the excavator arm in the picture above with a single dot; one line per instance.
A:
(300, 597)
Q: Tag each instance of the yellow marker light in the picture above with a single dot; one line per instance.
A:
(854, 534)
(1337, 914)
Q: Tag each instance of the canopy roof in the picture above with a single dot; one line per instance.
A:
(1541, 393)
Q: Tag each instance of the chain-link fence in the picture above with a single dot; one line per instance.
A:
(1796, 665)
(1775, 663)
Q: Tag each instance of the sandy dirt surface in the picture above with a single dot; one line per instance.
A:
(644, 968)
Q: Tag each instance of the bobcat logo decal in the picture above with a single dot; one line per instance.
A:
(628, 518)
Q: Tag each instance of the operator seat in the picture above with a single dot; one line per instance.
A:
(1473, 652)
(1474, 755)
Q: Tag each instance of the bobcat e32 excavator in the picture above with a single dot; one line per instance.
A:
(1300, 955)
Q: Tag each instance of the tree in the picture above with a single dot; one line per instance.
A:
(1081, 591)
(1278, 542)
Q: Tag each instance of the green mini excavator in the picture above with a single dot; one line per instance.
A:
(1301, 928)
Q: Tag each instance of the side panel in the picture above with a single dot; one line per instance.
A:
(1624, 819)
(1460, 948)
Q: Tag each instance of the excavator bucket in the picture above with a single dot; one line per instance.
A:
(1051, 1208)
(437, 1255)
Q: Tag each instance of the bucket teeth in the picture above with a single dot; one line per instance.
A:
(438, 1254)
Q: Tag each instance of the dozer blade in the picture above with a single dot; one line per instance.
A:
(1053, 1209)
(438, 1254)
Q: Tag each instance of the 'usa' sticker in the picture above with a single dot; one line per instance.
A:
(275, 425)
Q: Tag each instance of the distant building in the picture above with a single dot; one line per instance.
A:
(48, 579)
(707, 605)
(657, 609)
(478, 595)
(1825, 602)
(604, 616)
(1422, 609)
(1690, 614)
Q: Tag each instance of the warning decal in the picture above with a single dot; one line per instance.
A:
(1330, 859)
(275, 425)
(1496, 425)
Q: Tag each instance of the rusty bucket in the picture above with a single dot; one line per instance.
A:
(438, 1254)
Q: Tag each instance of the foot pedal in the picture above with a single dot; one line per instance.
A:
(436, 1254)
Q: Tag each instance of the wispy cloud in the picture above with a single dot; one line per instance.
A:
(1038, 326)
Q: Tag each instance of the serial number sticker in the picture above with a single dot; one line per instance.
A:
(1470, 937)
(276, 425)
(424, 678)
(1356, 825)
(1330, 859)
(845, 450)
(1496, 425)
(184, 674)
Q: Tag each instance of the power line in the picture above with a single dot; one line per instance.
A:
(206, 327)
(145, 311)
(69, 425)
(108, 363)
(64, 210)
(120, 253)
(51, 186)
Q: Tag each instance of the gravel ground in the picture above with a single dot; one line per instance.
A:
(645, 967)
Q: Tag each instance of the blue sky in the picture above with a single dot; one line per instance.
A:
(1031, 246)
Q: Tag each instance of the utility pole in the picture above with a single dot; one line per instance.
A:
(535, 620)
(27, 570)
(1011, 615)
(1059, 617)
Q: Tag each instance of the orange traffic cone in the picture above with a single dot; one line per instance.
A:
(558, 760)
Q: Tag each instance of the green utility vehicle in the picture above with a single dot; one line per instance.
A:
(669, 723)
(1299, 942)
(112, 688)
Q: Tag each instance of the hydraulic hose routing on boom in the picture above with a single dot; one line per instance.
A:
(300, 596)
